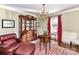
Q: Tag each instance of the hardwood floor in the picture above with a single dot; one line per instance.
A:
(73, 47)
(55, 49)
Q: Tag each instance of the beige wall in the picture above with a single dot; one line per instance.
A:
(70, 21)
(10, 15)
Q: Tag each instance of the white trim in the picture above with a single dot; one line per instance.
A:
(14, 9)
(65, 11)
(35, 13)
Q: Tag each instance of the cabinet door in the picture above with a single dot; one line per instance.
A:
(34, 25)
(27, 25)
(31, 25)
(23, 25)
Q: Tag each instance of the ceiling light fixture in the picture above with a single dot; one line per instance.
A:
(44, 13)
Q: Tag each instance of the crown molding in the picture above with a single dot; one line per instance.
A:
(17, 10)
(65, 11)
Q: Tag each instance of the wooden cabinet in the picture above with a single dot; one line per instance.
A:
(26, 23)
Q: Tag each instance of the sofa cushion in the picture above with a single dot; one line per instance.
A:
(25, 49)
(4, 46)
(7, 36)
(9, 42)
(10, 48)
(13, 47)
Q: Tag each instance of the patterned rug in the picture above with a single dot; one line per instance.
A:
(55, 50)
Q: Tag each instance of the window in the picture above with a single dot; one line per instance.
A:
(54, 25)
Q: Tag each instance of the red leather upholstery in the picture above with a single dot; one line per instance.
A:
(28, 49)
(7, 36)
(9, 44)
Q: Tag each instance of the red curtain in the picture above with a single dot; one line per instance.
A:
(59, 30)
(49, 26)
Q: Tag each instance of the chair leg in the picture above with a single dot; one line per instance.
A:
(40, 44)
(45, 48)
(49, 44)
(70, 45)
(77, 47)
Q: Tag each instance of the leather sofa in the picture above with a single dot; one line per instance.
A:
(11, 45)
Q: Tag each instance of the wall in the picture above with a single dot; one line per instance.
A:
(9, 15)
(70, 22)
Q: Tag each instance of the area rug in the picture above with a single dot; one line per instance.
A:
(55, 50)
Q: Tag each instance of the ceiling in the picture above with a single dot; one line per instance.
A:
(36, 8)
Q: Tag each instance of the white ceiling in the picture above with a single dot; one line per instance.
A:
(36, 8)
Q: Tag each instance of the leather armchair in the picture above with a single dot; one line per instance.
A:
(10, 44)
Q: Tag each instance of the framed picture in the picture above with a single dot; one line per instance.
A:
(8, 23)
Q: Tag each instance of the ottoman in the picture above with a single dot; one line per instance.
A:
(25, 49)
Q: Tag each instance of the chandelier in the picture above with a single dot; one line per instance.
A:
(44, 13)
